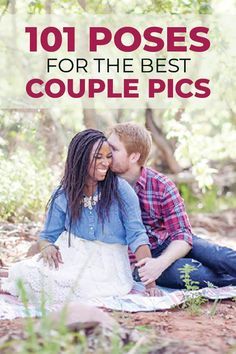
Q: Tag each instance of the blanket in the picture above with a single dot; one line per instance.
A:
(11, 307)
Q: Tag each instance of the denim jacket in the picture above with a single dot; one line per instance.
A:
(122, 227)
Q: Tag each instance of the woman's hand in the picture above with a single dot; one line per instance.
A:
(51, 256)
(152, 290)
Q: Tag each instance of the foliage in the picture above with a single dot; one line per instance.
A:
(190, 284)
(31, 164)
(193, 301)
(32, 150)
(24, 186)
(212, 201)
(112, 6)
(199, 137)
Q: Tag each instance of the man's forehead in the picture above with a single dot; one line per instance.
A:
(114, 140)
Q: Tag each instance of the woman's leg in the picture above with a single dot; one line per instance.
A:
(27, 271)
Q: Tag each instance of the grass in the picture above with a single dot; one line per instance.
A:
(58, 341)
(213, 310)
(42, 336)
(193, 301)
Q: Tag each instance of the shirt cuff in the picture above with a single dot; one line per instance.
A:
(49, 238)
(135, 244)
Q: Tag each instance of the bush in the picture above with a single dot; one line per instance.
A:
(25, 186)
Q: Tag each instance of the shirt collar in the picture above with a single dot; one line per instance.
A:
(141, 182)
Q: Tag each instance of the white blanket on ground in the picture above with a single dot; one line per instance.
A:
(11, 307)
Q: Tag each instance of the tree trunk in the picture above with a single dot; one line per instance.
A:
(53, 134)
(161, 143)
(90, 119)
(48, 7)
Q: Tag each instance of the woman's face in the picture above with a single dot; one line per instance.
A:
(100, 162)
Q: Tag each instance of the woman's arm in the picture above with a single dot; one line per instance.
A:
(53, 227)
(143, 252)
(136, 235)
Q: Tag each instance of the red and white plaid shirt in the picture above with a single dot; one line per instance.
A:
(163, 210)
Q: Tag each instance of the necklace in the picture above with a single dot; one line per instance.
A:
(90, 202)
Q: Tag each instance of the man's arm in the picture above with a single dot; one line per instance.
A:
(152, 268)
(178, 228)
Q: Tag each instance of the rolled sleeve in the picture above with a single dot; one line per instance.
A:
(55, 220)
(134, 245)
(183, 235)
(131, 215)
(175, 217)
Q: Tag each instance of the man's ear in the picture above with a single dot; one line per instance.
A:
(134, 157)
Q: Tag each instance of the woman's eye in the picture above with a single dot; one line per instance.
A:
(97, 157)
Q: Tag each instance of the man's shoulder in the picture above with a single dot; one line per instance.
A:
(157, 178)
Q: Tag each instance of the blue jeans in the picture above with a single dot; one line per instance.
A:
(213, 263)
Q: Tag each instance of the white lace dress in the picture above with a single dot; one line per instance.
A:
(90, 269)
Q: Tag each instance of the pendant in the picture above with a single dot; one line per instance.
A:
(90, 202)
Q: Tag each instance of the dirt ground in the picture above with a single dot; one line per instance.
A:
(174, 331)
(185, 333)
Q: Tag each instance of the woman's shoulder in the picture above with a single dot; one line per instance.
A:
(125, 188)
(122, 183)
(59, 197)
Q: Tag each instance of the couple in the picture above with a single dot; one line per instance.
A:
(93, 216)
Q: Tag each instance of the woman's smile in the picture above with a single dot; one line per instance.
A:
(100, 162)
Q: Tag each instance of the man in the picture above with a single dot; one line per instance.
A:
(172, 243)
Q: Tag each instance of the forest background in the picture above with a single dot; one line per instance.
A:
(196, 147)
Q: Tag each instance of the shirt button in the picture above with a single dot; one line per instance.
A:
(91, 228)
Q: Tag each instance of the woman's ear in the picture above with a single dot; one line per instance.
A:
(134, 157)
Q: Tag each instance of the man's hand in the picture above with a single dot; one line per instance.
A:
(150, 269)
(51, 256)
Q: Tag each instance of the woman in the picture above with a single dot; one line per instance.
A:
(92, 218)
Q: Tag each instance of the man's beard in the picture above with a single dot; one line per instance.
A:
(119, 170)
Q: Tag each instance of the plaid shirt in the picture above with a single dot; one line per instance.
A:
(163, 210)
